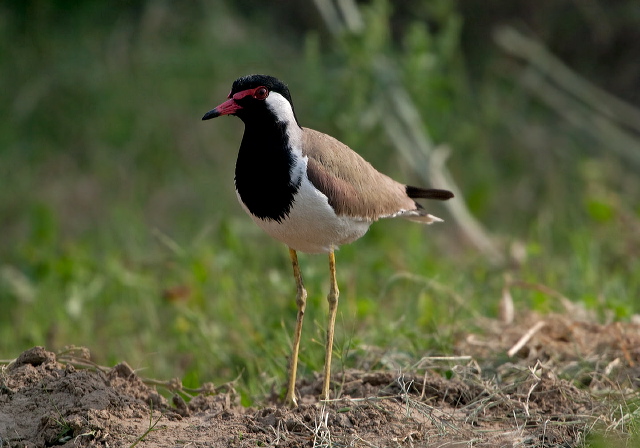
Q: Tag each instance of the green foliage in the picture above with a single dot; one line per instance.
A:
(121, 230)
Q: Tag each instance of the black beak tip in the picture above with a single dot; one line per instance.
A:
(213, 113)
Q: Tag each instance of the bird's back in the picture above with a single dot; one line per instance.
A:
(352, 185)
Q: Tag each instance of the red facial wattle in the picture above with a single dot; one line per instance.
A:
(231, 106)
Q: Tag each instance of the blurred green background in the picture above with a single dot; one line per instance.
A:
(120, 226)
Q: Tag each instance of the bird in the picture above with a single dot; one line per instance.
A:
(309, 191)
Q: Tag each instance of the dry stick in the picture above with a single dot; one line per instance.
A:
(525, 338)
(330, 16)
(407, 133)
(405, 128)
(573, 97)
(599, 127)
(458, 208)
(351, 14)
(506, 308)
(532, 51)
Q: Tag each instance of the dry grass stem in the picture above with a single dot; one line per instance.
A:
(526, 337)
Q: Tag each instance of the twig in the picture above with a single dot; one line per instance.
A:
(407, 133)
(405, 127)
(525, 338)
(471, 227)
(534, 52)
(598, 126)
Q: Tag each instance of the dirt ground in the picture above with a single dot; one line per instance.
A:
(567, 378)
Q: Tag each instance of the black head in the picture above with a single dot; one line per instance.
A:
(252, 97)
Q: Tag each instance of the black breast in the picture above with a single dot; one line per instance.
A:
(263, 178)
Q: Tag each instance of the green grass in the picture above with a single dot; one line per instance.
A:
(115, 194)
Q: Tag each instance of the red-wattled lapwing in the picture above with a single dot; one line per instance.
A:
(308, 190)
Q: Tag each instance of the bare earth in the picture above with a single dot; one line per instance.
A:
(479, 401)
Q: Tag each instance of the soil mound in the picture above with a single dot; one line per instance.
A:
(47, 402)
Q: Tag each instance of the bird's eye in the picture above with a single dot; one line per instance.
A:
(261, 93)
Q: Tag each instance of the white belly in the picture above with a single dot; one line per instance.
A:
(312, 226)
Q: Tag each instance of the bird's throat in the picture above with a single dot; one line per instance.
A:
(264, 169)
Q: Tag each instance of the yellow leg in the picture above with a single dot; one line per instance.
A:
(301, 302)
(333, 308)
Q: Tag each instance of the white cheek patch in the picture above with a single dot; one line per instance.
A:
(280, 107)
(283, 112)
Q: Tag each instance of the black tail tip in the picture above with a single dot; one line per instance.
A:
(428, 193)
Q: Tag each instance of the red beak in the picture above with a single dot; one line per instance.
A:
(229, 107)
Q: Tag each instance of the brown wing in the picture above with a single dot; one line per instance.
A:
(353, 186)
